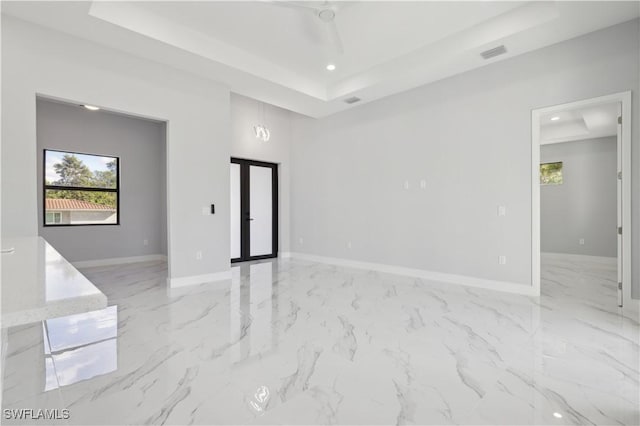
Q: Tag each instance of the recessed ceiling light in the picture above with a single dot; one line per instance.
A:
(91, 107)
(331, 67)
(556, 118)
(557, 415)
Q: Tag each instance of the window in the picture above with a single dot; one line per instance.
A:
(53, 217)
(551, 173)
(80, 189)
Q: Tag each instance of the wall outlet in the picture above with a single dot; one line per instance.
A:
(349, 245)
(502, 210)
(406, 184)
(145, 242)
(301, 241)
(199, 255)
(423, 184)
(581, 241)
(502, 260)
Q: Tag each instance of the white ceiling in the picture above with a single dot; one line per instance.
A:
(579, 124)
(278, 54)
(372, 33)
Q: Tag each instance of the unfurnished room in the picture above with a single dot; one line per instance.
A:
(320, 212)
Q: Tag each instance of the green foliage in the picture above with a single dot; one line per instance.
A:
(106, 179)
(551, 173)
(73, 172)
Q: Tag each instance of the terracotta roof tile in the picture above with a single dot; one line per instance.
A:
(63, 204)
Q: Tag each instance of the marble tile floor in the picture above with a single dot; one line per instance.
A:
(293, 342)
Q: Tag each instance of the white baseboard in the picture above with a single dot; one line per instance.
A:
(118, 260)
(465, 280)
(198, 279)
(284, 254)
(589, 257)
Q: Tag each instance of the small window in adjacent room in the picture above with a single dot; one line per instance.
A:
(53, 218)
(80, 189)
(551, 173)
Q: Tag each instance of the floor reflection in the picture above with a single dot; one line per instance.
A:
(260, 306)
(80, 347)
(253, 303)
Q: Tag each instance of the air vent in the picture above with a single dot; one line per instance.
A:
(492, 53)
(352, 100)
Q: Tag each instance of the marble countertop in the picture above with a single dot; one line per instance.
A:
(38, 284)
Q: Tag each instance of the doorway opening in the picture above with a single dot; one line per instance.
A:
(581, 188)
(102, 182)
(254, 210)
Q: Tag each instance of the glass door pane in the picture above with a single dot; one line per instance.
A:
(261, 210)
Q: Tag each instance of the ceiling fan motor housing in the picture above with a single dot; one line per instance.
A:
(327, 15)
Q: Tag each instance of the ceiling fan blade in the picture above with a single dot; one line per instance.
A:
(328, 30)
(334, 37)
(292, 5)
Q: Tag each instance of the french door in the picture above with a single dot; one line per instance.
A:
(254, 210)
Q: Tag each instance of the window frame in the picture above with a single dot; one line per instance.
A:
(46, 187)
(561, 171)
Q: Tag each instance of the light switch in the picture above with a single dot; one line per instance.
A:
(406, 184)
(502, 210)
(423, 184)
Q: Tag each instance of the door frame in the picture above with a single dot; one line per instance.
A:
(624, 98)
(245, 209)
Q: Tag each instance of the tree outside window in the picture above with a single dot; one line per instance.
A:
(551, 173)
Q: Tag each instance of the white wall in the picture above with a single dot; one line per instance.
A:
(469, 138)
(584, 206)
(247, 112)
(140, 146)
(36, 60)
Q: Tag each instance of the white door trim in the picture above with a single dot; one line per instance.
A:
(625, 99)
